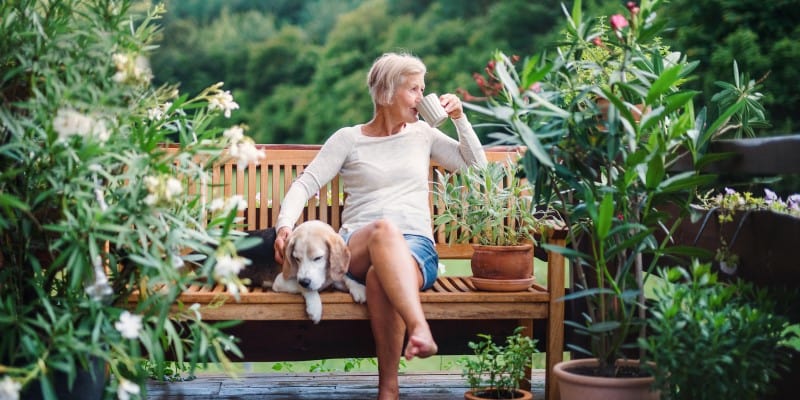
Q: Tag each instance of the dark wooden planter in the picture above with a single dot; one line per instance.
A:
(765, 241)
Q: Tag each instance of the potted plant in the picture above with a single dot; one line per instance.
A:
(495, 371)
(491, 207)
(711, 340)
(610, 170)
(94, 209)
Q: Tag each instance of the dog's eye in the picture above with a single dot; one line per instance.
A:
(318, 258)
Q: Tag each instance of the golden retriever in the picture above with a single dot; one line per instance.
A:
(316, 257)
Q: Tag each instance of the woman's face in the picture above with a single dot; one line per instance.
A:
(407, 97)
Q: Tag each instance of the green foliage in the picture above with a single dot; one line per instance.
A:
(488, 205)
(496, 370)
(763, 38)
(603, 128)
(711, 340)
(93, 208)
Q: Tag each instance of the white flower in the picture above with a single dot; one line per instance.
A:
(159, 112)
(222, 100)
(196, 309)
(127, 388)
(68, 123)
(234, 134)
(246, 152)
(131, 68)
(129, 325)
(174, 188)
(228, 266)
(151, 199)
(216, 204)
(100, 289)
(238, 202)
(9, 389)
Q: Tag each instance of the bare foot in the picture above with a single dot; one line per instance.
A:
(420, 346)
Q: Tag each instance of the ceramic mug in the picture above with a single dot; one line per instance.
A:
(431, 110)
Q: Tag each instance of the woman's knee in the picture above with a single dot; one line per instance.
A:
(383, 229)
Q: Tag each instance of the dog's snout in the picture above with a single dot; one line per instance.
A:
(304, 282)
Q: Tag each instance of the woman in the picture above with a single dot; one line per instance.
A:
(386, 222)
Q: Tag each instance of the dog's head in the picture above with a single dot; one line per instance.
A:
(315, 255)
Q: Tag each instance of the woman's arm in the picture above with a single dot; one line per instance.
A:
(454, 155)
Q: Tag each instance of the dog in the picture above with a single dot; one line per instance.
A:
(315, 258)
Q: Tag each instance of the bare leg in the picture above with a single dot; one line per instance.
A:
(379, 253)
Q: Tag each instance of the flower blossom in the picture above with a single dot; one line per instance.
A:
(793, 202)
(158, 112)
(68, 123)
(221, 100)
(9, 388)
(165, 189)
(131, 69)
(129, 325)
(241, 147)
(228, 266)
(100, 289)
(770, 196)
(127, 388)
(617, 22)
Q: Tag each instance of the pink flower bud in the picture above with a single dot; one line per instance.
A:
(597, 41)
(617, 22)
(631, 5)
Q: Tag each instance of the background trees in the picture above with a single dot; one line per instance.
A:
(298, 67)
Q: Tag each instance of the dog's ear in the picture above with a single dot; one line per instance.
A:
(338, 257)
(290, 266)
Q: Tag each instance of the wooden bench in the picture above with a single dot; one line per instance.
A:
(276, 327)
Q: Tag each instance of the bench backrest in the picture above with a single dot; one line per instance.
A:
(264, 184)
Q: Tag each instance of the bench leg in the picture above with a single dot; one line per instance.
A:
(556, 275)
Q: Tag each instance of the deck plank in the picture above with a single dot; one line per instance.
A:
(334, 386)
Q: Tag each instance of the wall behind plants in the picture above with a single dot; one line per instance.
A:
(297, 67)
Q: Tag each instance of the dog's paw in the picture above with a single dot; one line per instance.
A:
(357, 290)
(314, 311)
(313, 305)
(287, 286)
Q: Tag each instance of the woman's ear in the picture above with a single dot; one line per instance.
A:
(289, 263)
(338, 257)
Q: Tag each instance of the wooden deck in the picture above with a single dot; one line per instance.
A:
(306, 386)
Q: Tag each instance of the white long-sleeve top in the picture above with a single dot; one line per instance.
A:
(383, 177)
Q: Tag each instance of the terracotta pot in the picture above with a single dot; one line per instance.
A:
(520, 395)
(574, 386)
(502, 262)
(502, 268)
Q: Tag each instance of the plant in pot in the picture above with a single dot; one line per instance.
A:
(711, 340)
(93, 209)
(491, 207)
(609, 169)
(495, 371)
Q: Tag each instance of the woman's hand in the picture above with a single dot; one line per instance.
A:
(281, 238)
(452, 105)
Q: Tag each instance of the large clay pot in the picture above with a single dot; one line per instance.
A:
(573, 386)
(502, 268)
(519, 395)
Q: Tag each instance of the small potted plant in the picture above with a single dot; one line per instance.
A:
(495, 371)
(711, 340)
(491, 207)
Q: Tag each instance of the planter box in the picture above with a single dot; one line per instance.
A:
(765, 241)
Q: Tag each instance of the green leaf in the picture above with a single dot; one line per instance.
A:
(605, 216)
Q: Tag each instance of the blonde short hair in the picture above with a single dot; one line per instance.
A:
(388, 72)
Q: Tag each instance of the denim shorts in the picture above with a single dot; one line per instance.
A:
(424, 251)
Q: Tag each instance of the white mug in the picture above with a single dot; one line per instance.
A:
(431, 110)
